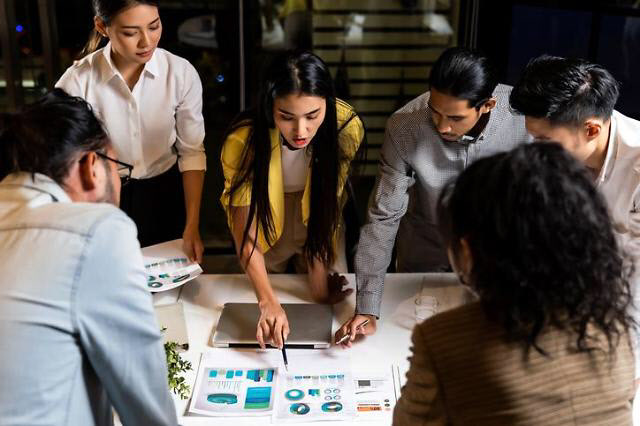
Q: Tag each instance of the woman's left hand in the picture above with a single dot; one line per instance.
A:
(336, 284)
(192, 244)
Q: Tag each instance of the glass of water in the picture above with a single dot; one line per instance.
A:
(425, 305)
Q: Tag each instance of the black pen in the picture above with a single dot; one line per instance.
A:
(284, 355)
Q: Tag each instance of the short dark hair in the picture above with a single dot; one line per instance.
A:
(543, 248)
(564, 91)
(464, 74)
(46, 136)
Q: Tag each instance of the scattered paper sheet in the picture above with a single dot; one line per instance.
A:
(318, 386)
(377, 392)
(235, 383)
(167, 266)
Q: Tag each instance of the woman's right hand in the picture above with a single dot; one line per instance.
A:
(273, 325)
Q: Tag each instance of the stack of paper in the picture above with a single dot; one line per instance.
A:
(167, 266)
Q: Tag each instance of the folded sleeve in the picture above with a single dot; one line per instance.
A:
(190, 124)
(231, 161)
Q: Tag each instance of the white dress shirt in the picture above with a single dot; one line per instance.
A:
(162, 112)
(619, 182)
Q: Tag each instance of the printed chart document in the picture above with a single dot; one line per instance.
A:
(236, 383)
(377, 392)
(319, 386)
(167, 266)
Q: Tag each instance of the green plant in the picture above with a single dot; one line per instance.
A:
(175, 366)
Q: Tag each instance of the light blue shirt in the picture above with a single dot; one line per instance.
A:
(77, 329)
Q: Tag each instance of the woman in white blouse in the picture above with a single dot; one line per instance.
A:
(150, 102)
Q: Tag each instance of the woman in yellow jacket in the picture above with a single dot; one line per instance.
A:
(285, 164)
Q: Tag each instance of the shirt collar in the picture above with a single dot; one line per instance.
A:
(609, 159)
(37, 182)
(151, 67)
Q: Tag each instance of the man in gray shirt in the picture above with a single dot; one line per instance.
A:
(428, 142)
(77, 330)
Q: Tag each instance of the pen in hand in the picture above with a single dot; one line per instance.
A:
(284, 355)
(346, 336)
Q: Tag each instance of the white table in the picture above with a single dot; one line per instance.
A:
(204, 298)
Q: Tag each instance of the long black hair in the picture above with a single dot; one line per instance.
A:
(293, 72)
(107, 10)
(543, 249)
(46, 136)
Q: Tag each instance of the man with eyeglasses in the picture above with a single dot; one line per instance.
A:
(77, 330)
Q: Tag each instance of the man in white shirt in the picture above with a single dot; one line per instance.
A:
(571, 101)
(77, 330)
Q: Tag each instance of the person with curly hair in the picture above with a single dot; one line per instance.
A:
(547, 342)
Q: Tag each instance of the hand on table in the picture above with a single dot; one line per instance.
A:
(353, 327)
(336, 291)
(192, 244)
(273, 325)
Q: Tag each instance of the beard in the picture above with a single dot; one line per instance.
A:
(110, 195)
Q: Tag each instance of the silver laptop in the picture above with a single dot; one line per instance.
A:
(310, 326)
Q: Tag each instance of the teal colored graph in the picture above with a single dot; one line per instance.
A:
(260, 375)
(258, 398)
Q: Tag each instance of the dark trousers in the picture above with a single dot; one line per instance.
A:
(156, 205)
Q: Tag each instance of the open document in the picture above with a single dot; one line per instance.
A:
(236, 383)
(167, 266)
(318, 386)
(376, 392)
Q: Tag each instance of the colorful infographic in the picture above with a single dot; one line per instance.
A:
(319, 385)
(234, 392)
(167, 266)
(315, 396)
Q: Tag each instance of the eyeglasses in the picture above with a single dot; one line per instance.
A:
(122, 167)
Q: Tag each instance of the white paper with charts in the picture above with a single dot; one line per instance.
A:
(318, 386)
(236, 383)
(377, 391)
(167, 266)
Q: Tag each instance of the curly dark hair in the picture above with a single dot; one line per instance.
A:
(542, 244)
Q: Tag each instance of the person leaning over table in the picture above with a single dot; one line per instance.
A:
(78, 335)
(150, 102)
(464, 116)
(285, 165)
(572, 101)
(547, 343)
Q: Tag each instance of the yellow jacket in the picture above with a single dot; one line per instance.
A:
(349, 137)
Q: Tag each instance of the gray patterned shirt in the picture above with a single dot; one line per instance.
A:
(415, 165)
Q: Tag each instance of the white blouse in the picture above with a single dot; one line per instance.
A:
(295, 168)
(154, 124)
